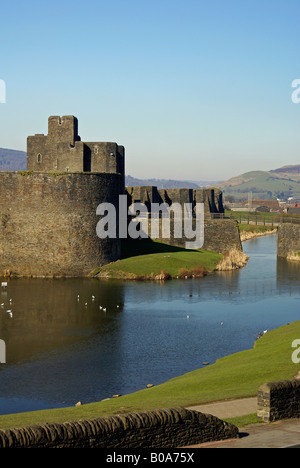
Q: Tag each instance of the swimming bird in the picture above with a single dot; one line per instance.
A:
(93, 298)
(104, 310)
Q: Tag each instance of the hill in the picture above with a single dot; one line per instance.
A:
(279, 183)
(165, 183)
(11, 160)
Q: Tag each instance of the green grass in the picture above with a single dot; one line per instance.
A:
(146, 259)
(255, 228)
(261, 217)
(235, 376)
(241, 421)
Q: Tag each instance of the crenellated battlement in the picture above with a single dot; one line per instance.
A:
(63, 151)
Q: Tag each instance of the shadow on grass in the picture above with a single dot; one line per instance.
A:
(133, 248)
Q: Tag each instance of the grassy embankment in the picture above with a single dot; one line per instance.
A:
(235, 376)
(148, 259)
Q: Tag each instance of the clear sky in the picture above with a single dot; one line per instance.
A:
(194, 89)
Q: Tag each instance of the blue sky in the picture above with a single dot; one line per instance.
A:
(193, 89)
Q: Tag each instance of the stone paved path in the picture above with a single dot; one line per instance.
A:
(282, 434)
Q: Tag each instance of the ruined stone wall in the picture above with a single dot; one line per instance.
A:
(288, 239)
(169, 428)
(279, 400)
(212, 198)
(48, 223)
(221, 235)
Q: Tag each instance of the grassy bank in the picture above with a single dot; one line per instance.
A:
(148, 259)
(235, 376)
(256, 229)
(262, 217)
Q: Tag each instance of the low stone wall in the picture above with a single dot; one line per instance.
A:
(166, 428)
(279, 400)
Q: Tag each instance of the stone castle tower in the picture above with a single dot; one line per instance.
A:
(48, 213)
(63, 151)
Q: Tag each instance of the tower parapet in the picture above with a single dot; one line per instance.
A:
(63, 151)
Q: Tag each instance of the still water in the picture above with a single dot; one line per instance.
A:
(61, 350)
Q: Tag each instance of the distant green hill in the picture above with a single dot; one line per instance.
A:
(280, 183)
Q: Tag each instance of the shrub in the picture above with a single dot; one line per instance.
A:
(198, 272)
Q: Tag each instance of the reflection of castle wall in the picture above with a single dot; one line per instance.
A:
(47, 314)
(288, 239)
(288, 274)
(48, 223)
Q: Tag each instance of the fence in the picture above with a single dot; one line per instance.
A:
(249, 218)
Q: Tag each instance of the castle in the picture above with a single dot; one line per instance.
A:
(63, 151)
(48, 213)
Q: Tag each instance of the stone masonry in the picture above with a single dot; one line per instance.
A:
(48, 213)
(165, 428)
(279, 400)
(288, 240)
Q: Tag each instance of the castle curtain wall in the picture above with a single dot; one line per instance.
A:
(48, 223)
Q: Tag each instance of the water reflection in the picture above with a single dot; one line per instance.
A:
(61, 350)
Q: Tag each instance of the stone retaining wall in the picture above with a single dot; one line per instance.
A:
(288, 240)
(165, 428)
(279, 400)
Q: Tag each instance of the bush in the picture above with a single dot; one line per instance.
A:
(198, 272)
(184, 273)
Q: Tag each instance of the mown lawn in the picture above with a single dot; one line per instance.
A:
(146, 259)
(235, 376)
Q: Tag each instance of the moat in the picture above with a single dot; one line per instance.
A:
(62, 349)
